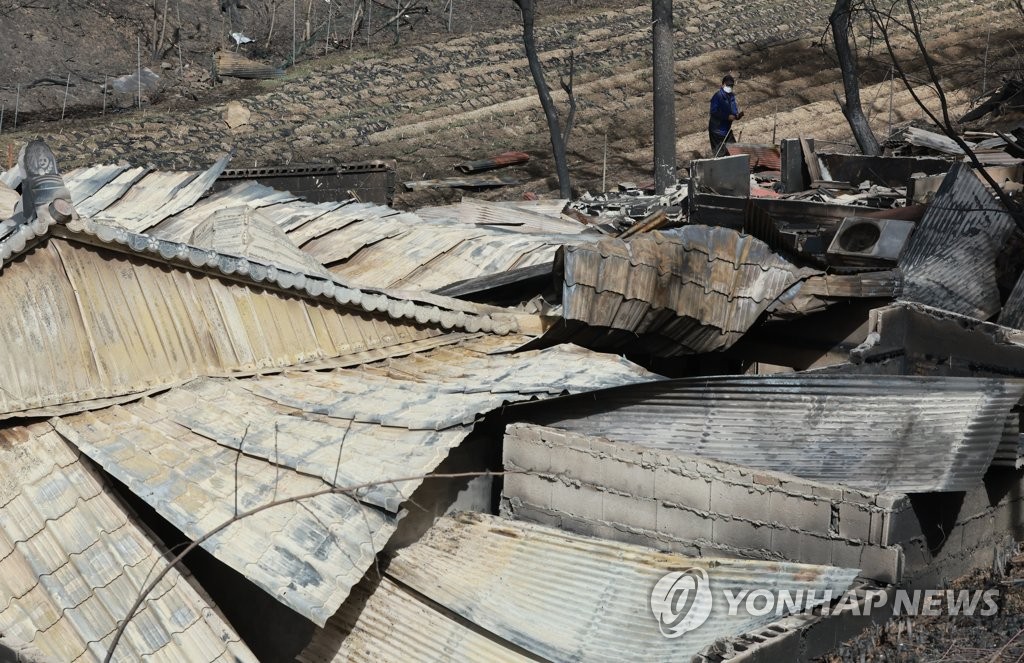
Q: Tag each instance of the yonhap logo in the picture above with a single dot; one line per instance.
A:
(681, 601)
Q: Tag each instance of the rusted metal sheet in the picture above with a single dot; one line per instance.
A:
(238, 66)
(102, 312)
(594, 595)
(307, 554)
(72, 562)
(898, 433)
(951, 260)
(762, 157)
(383, 622)
(698, 289)
(499, 161)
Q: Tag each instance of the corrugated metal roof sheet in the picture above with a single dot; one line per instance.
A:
(92, 323)
(299, 432)
(158, 196)
(762, 157)
(695, 290)
(306, 554)
(567, 597)
(1012, 314)
(387, 623)
(519, 218)
(897, 433)
(362, 243)
(72, 562)
(248, 233)
(950, 261)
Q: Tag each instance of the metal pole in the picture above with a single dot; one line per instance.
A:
(327, 40)
(2, 109)
(664, 97)
(604, 170)
(17, 105)
(105, 80)
(293, 31)
(67, 86)
(451, 12)
(138, 42)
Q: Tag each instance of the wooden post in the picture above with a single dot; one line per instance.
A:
(664, 97)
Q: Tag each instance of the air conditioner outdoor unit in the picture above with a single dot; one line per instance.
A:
(867, 242)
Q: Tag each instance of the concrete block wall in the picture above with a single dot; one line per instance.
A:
(697, 506)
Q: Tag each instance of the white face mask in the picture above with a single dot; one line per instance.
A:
(727, 88)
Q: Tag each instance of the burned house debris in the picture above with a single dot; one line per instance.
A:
(488, 430)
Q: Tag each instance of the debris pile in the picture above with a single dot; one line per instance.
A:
(505, 431)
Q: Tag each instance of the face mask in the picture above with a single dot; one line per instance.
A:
(727, 88)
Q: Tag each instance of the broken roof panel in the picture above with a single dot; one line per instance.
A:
(306, 554)
(951, 260)
(387, 623)
(395, 419)
(698, 289)
(102, 312)
(883, 433)
(72, 562)
(485, 213)
(158, 196)
(593, 595)
(183, 451)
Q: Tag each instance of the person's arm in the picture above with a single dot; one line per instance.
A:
(736, 112)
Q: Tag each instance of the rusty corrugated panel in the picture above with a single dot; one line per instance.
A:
(385, 623)
(951, 260)
(565, 597)
(762, 157)
(238, 66)
(698, 289)
(897, 433)
(184, 450)
(499, 161)
(72, 562)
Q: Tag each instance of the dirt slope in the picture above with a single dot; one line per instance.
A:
(443, 100)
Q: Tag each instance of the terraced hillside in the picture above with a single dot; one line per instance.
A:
(434, 104)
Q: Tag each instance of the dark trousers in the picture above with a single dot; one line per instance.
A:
(716, 143)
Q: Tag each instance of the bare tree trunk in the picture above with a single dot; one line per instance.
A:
(664, 97)
(840, 21)
(527, 7)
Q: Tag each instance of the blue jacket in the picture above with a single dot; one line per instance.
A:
(723, 104)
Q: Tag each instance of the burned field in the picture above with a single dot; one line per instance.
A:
(312, 363)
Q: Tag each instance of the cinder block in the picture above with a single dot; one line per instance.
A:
(854, 522)
(627, 477)
(684, 524)
(831, 493)
(523, 453)
(632, 511)
(577, 500)
(741, 534)
(801, 547)
(881, 564)
(846, 554)
(877, 527)
(803, 513)
(858, 497)
(671, 486)
(530, 488)
(741, 501)
(517, 510)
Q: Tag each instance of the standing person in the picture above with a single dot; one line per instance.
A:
(723, 112)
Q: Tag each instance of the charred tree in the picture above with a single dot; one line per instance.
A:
(528, 9)
(664, 97)
(840, 22)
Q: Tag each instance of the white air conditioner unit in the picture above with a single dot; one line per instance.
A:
(867, 242)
